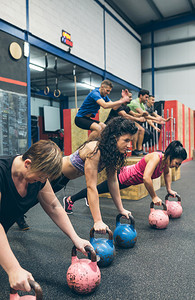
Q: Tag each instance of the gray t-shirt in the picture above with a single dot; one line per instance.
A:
(150, 109)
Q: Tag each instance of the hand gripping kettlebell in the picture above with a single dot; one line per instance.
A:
(174, 208)
(125, 235)
(158, 218)
(35, 286)
(83, 275)
(103, 247)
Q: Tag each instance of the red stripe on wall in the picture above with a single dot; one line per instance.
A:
(183, 120)
(194, 129)
(170, 134)
(17, 82)
(189, 125)
(67, 131)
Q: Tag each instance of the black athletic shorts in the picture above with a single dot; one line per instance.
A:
(85, 122)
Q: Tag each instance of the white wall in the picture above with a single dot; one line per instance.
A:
(14, 12)
(176, 83)
(123, 52)
(36, 103)
(82, 19)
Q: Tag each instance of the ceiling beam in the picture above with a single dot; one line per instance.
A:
(121, 13)
(169, 22)
(155, 9)
(191, 5)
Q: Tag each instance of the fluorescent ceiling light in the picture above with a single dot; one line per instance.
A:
(88, 86)
(37, 68)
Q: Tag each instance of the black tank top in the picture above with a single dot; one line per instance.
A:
(12, 205)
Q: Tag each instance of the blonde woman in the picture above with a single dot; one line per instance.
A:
(24, 181)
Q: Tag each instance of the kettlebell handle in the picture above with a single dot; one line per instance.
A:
(163, 204)
(177, 195)
(88, 249)
(107, 230)
(35, 286)
(131, 219)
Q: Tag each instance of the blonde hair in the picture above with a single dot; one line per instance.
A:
(46, 157)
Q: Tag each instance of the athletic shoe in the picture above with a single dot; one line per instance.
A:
(86, 202)
(137, 152)
(144, 153)
(22, 223)
(68, 205)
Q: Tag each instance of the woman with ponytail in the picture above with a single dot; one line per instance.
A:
(151, 166)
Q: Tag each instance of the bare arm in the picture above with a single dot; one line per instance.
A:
(111, 104)
(91, 173)
(146, 115)
(114, 190)
(152, 162)
(128, 116)
(55, 211)
(167, 177)
(124, 93)
(152, 125)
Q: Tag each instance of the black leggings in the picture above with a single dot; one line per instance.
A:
(59, 183)
(102, 188)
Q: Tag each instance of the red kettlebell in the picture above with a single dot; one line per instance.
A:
(158, 218)
(35, 286)
(174, 208)
(83, 275)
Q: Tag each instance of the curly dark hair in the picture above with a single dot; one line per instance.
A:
(110, 156)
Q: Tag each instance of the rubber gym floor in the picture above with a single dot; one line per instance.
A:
(160, 266)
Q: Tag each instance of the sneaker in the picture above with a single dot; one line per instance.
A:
(86, 202)
(22, 223)
(136, 152)
(68, 204)
(144, 153)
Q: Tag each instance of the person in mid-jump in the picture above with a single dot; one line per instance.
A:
(91, 105)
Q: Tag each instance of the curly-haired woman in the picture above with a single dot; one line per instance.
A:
(109, 152)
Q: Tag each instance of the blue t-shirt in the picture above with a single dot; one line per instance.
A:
(90, 105)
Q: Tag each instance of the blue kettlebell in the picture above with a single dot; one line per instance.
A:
(125, 235)
(104, 248)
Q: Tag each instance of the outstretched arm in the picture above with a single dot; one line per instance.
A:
(18, 277)
(152, 162)
(115, 104)
(123, 114)
(54, 209)
(91, 173)
(114, 190)
(152, 125)
(167, 177)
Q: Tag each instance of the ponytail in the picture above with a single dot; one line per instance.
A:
(175, 150)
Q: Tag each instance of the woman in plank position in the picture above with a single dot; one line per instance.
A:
(151, 166)
(109, 152)
(24, 182)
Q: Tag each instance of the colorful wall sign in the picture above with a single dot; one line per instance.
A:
(66, 39)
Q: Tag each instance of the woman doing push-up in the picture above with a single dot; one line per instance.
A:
(151, 166)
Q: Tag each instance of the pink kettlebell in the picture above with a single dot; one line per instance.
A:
(174, 208)
(35, 286)
(158, 218)
(83, 275)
